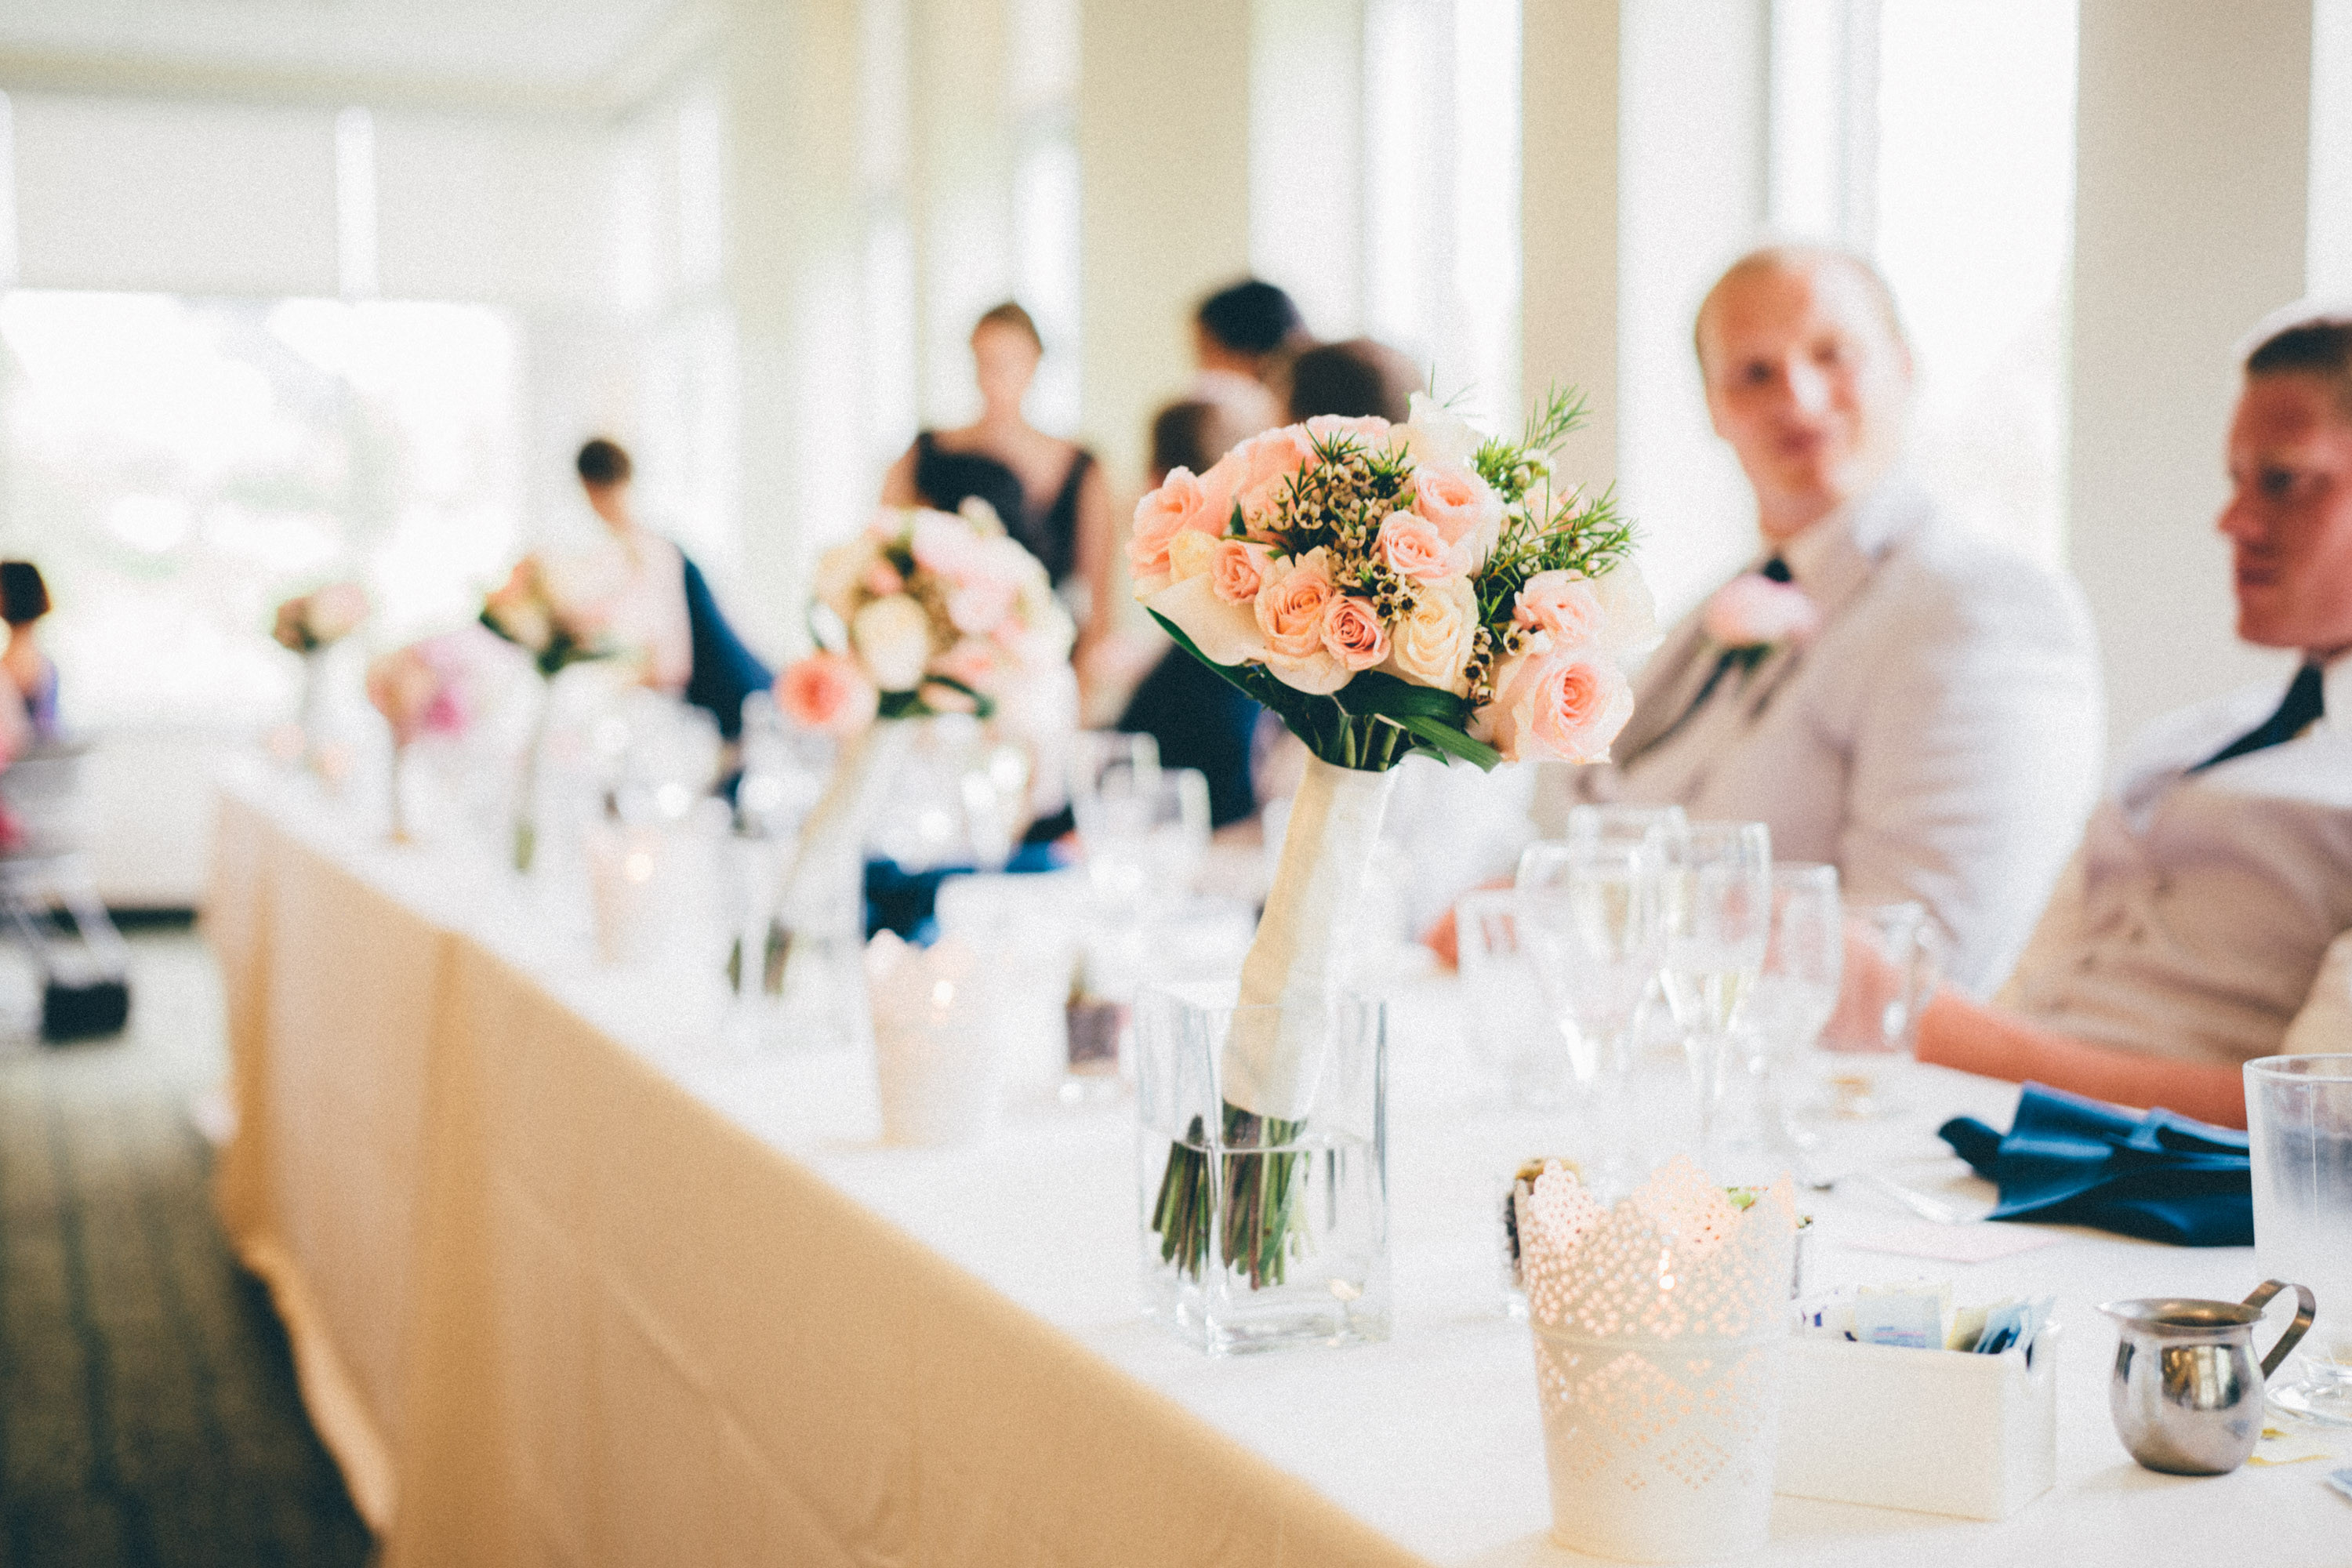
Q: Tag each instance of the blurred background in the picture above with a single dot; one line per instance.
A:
(293, 289)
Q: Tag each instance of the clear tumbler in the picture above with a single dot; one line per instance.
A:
(2299, 1121)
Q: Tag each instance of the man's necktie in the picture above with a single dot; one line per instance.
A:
(1776, 569)
(2303, 704)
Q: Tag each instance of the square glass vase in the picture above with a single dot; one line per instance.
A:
(1258, 1233)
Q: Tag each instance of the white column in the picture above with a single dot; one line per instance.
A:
(1570, 218)
(963, 191)
(796, 234)
(1307, 172)
(2192, 196)
(1163, 148)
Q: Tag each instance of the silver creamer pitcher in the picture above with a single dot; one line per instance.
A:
(2186, 1393)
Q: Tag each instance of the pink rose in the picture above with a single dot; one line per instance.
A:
(1562, 605)
(427, 686)
(944, 545)
(1291, 605)
(1556, 705)
(1238, 570)
(826, 691)
(1370, 432)
(1353, 633)
(972, 661)
(1413, 548)
(1264, 464)
(1753, 611)
(1184, 503)
(1466, 509)
(882, 579)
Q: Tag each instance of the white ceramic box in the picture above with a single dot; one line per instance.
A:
(1933, 1431)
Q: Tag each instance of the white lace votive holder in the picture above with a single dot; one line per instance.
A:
(1260, 1234)
(936, 1065)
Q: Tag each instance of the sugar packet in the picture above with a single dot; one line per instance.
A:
(2341, 1480)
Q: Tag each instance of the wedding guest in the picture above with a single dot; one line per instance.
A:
(1048, 492)
(1200, 719)
(1244, 336)
(666, 607)
(1359, 377)
(1889, 694)
(33, 678)
(2207, 917)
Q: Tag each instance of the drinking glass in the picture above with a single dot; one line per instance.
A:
(1870, 1039)
(1144, 833)
(2299, 1132)
(1508, 1022)
(1591, 917)
(1795, 996)
(1717, 887)
(1097, 756)
(1622, 824)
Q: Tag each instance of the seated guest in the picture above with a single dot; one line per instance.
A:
(2207, 918)
(1200, 719)
(1889, 694)
(1244, 337)
(1048, 492)
(667, 609)
(32, 678)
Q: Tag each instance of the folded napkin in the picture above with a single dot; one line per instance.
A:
(2072, 1160)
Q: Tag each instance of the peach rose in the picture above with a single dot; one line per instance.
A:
(1433, 642)
(1556, 705)
(1466, 509)
(1369, 431)
(1237, 570)
(1183, 503)
(882, 579)
(1564, 606)
(1354, 632)
(1753, 611)
(1264, 464)
(1290, 609)
(1413, 548)
(826, 691)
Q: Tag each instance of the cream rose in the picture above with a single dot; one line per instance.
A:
(1466, 509)
(1556, 705)
(1431, 645)
(846, 568)
(1564, 606)
(1189, 554)
(1436, 438)
(893, 638)
(1413, 548)
(1353, 633)
(1182, 504)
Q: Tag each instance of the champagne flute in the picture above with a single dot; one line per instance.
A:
(1591, 916)
(1621, 823)
(1718, 919)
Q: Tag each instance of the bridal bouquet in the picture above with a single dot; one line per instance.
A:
(308, 622)
(1385, 590)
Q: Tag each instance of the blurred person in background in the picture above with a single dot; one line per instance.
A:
(1200, 719)
(1047, 492)
(666, 607)
(1243, 338)
(32, 676)
(1885, 691)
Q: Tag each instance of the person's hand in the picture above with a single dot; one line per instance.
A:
(1881, 993)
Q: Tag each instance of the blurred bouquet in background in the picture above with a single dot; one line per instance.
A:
(433, 687)
(320, 618)
(559, 608)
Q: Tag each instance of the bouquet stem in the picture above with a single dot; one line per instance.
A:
(1270, 1064)
(526, 821)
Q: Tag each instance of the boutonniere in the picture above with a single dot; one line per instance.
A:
(1751, 615)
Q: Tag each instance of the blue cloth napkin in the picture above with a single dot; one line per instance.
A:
(2067, 1160)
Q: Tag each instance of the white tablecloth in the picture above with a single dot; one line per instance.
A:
(569, 1281)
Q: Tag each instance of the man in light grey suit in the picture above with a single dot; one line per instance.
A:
(1913, 705)
(2208, 917)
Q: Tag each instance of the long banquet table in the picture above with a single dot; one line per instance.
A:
(567, 1282)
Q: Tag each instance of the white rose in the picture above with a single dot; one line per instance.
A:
(840, 570)
(1630, 624)
(1431, 645)
(1189, 554)
(893, 639)
(1435, 436)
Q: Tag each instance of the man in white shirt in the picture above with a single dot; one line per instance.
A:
(2207, 919)
(1913, 705)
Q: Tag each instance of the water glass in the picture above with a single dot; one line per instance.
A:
(1509, 1027)
(1798, 991)
(1871, 1038)
(1622, 824)
(1095, 755)
(1719, 925)
(1592, 917)
(1144, 833)
(2299, 1132)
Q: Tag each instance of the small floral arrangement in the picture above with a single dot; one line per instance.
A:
(320, 618)
(431, 687)
(925, 611)
(559, 608)
(1393, 589)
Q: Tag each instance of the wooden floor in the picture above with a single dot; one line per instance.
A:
(148, 1411)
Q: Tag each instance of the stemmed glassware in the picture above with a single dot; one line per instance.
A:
(1591, 915)
(1871, 1043)
(1719, 927)
(1797, 991)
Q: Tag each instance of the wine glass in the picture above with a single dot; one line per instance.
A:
(1144, 833)
(1591, 917)
(1622, 824)
(1718, 920)
(1507, 1010)
(1798, 990)
(1871, 1038)
(1097, 756)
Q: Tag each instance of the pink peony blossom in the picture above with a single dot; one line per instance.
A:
(1564, 606)
(1354, 634)
(1238, 570)
(826, 691)
(1413, 548)
(1556, 705)
(1184, 503)
(1753, 611)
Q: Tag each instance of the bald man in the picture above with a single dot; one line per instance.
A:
(1891, 695)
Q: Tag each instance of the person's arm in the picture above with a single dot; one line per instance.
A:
(1955, 1032)
(1097, 541)
(898, 484)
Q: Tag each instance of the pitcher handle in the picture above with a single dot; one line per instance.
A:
(2305, 1309)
